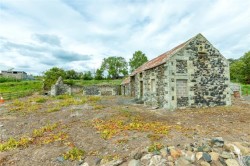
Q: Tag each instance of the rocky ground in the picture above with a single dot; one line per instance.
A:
(77, 130)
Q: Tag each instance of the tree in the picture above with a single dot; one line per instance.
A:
(240, 69)
(115, 66)
(87, 75)
(72, 74)
(139, 58)
(236, 71)
(51, 76)
(246, 67)
(99, 74)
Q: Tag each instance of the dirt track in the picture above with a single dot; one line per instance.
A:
(78, 123)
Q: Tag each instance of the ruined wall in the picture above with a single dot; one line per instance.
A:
(103, 90)
(126, 90)
(60, 88)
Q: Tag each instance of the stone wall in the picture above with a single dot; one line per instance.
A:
(125, 90)
(104, 90)
(154, 82)
(60, 88)
(203, 69)
(206, 72)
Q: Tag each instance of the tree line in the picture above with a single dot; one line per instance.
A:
(240, 69)
(113, 67)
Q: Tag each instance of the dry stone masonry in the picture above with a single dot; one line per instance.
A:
(60, 88)
(193, 74)
(103, 90)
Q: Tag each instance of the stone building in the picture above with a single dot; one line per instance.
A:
(20, 75)
(193, 74)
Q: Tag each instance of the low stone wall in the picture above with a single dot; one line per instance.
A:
(102, 90)
(76, 88)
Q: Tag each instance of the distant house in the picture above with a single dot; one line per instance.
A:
(193, 74)
(20, 75)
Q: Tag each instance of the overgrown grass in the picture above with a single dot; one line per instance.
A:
(51, 104)
(94, 82)
(5, 79)
(20, 86)
(245, 89)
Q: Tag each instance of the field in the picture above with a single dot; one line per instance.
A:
(20, 86)
(61, 130)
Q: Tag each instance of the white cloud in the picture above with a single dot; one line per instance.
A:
(115, 28)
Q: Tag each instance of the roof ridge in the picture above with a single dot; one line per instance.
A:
(161, 58)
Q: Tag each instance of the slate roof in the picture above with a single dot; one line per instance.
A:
(159, 60)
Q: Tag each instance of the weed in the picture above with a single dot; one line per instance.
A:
(74, 154)
(98, 107)
(42, 130)
(154, 137)
(13, 143)
(63, 97)
(108, 158)
(55, 109)
(155, 147)
(122, 141)
(93, 98)
(37, 133)
(119, 124)
(52, 138)
(41, 100)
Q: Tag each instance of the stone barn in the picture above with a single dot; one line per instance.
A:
(193, 74)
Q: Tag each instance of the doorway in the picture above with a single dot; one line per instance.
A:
(141, 89)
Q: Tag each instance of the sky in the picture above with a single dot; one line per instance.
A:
(36, 35)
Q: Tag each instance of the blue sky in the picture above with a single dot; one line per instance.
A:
(36, 35)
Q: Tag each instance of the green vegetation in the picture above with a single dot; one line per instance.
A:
(51, 76)
(155, 147)
(113, 126)
(115, 66)
(74, 154)
(13, 143)
(240, 69)
(139, 58)
(42, 135)
(245, 89)
(4, 79)
(20, 86)
(94, 82)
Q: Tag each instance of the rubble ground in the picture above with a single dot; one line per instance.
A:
(66, 130)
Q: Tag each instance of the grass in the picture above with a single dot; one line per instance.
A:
(6, 79)
(20, 86)
(51, 104)
(245, 89)
(94, 82)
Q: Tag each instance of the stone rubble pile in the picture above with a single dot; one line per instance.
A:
(211, 152)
